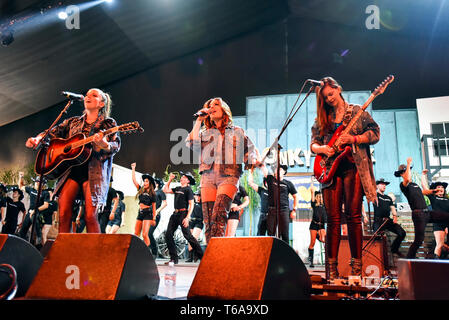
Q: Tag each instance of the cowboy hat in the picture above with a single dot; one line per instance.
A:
(150, 178)
(382, 181)
(401, 169)
(189, 176)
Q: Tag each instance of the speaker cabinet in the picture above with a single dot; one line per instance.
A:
(423, 279)
(23, 257)
(98, 267)
(374, 257)
(250, 268)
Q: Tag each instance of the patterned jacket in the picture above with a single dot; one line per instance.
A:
(100, 162)
(228, 150)
(367, 127)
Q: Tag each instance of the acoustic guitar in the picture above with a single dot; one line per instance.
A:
(63, 154)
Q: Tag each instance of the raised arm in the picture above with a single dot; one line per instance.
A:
(166, 188)
(407, 177)
(133, 175)
(424, 184)
(312, 190)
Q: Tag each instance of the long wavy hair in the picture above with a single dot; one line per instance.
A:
(323, 110)
(227, 114)
(149, 190)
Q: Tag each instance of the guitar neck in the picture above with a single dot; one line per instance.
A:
(358, 115)
(91, 138)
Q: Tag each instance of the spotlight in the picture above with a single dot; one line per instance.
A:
(7, 37)
(108, 1)
(62, 15)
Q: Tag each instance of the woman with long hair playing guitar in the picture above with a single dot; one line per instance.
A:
(92, 176)
(354, 175)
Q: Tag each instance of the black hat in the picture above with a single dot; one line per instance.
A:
(435, 184)
(20, 192)
(3, 188)
(150, 178)
(120, 194)
(159, 182)
(197, 193)
(382, 181)
(190, 176)
(37, 179)
(285, 167)
(401, 169)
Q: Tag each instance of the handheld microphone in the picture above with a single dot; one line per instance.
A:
(200, 114)
(72, 96)
(316, 82)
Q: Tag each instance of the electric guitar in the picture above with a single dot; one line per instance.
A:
(63, 154)
(320, 171)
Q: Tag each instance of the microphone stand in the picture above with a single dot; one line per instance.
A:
(278, 147)
(44, 144)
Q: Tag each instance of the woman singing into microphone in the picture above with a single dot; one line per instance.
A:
(223, 148)
(354, 176)
(92, 177)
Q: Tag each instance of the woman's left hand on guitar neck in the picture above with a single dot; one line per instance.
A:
(347, 139)
(100, 141)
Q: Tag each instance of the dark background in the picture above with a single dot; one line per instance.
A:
(240, 50)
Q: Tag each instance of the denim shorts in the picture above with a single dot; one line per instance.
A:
(213, 179)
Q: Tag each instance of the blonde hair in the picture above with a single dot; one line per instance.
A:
(227, 113)
(106, 98)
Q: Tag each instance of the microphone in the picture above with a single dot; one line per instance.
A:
(200, 114)
(316, 82)
(72, 96)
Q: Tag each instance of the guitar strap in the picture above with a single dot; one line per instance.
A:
(348, 115)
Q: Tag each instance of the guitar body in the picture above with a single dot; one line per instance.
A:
(60, 157)
(320, 170)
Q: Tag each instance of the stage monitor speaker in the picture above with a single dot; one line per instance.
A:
(250, 268)
(423, 279)
(373, 257)
(24, 258)
(96, 267)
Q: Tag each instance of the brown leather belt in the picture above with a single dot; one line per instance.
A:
(180, 210)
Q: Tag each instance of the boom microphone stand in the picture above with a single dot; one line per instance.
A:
(277, 146)
(44, 144)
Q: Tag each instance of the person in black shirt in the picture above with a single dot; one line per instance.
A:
(14, 206)
(116, 216)
(184, 205)
(44, 200)
(78, 220)
(46, 216)
(196, 224)
(382, 211)
(110, 206)
(263, 194)
(439, 201)
(317, 226)
(237, 208)
(147, 204)
(3, 192)
(421, 215)
(161, 203)
(286, 188)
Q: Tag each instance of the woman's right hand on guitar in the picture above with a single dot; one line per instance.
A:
(328, 151)
(32, 142)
